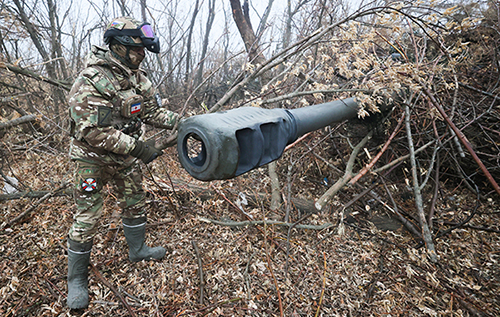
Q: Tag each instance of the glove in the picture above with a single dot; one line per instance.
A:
(146, 151)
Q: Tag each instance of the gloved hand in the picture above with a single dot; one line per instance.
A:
(146, 151)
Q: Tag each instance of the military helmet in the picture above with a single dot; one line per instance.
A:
(130, 32)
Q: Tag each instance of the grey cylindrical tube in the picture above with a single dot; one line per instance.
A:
(318, 116)
(234, 142)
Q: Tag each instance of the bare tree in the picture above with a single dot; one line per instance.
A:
(196, 9)
(55, 31)
(241, 17)
(49, 63)
(208, 28)
(242, 21)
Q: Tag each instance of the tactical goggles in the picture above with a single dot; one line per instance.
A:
(144, 32)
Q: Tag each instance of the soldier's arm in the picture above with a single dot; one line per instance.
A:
(91, 114)
(155, 114)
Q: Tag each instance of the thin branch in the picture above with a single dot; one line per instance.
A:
(293, 49)
(18, 121)
(264, 222)
(426, 234)
(311, 92)
(34, 194)
(247, 276)
(200, 271)
(377, 157)
(321, 202)
(402, 158)
(112, 288)
(435, 195)
(462, 138)
(62, 84)
(270, 268)
(35, 205)
(408, 224)
(322, 286)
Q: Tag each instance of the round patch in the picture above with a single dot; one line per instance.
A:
(89, 184)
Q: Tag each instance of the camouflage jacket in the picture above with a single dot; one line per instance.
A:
(108, 104)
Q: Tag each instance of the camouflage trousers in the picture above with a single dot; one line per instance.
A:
(89, 183)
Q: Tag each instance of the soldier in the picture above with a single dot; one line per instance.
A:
(109, 102)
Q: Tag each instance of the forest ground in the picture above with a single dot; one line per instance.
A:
(375, 268)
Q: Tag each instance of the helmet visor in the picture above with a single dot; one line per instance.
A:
(147, 31)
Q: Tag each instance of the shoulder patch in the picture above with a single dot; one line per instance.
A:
(103, 116)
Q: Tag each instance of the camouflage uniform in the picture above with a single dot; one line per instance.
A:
(108, 104)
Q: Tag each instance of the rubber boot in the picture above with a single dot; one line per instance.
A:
(135, 233)
(78, 271)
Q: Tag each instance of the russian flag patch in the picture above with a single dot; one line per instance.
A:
(135, 108)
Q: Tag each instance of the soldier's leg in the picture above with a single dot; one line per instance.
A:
(88, 197)
(131, 198)
(89, 201)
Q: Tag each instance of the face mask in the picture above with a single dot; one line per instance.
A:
(131, 56)
(136, 55)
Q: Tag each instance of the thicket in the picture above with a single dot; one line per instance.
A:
(409, 197)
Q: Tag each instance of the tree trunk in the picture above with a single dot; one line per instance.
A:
(189, 42)
(49, 66)
(246, 32)
(242, 20)
(55, 31)
(210, 21)
(262, 25)
(143, 10)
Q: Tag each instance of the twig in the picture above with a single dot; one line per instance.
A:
(489, 94)
(435, 195)
(458, 225)
(265, 222)
(211, 307)
(408, 224)
(377, 157)
(34, 194)
(312, 92)
(431, 166)
(35, 205)
(239, 223)
(370, 234)
(13, 97)
(26, 72)
(200, 271)
(294, 225)
(426, 234)
(112, 288)
(321, 202)
(275, 187)
(462, 138)
(289, 146)
(270, 268)
(175, 208)
(402, 158)
(247, 276)
(18, 121)
(282, 56)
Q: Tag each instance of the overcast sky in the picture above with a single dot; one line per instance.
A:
(86, 14)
